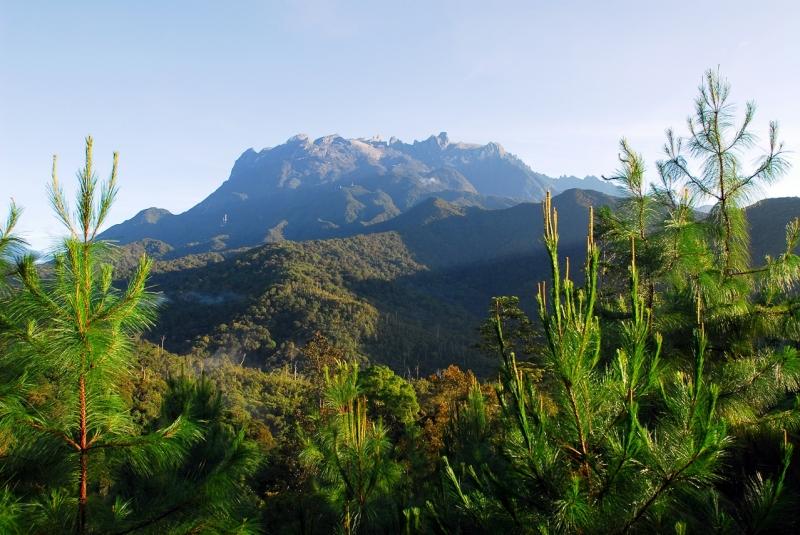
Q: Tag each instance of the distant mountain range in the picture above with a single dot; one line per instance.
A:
(334, 187)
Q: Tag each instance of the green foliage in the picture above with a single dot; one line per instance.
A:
(717, 143)
(71, 442)
(359, 293)
(351, 456)
(612, 431)
(208, 490)
(389, 397)
(657, 390)
(12, 513)
(520, 333)
(578, 456)
(73, 332)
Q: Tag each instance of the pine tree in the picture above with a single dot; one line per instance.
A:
(69, 334)
(619, 432)
(632, 219)
(698, 260)
(12, 378)
(351, 456)
(629, 442)
(718, 144)
(209, 490)
(705, 273)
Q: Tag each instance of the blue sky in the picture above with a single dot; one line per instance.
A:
(182, 88)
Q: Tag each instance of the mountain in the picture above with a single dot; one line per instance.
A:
(452, 236)
(335, 187)
(410, 293)
(768, 219)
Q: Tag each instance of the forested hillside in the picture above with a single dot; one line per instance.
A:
(412, 297)
(581, 365)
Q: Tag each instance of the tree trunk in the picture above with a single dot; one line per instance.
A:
(84, 454)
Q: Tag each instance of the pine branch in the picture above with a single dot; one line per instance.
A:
(56, 433)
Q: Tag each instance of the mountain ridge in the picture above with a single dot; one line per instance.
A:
(410, 293)
(332, 186)
(408, 287)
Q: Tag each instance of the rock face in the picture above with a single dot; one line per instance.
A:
(334, 186)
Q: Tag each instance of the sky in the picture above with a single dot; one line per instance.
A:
(182, 88)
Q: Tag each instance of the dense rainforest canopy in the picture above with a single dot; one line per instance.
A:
(651, 385)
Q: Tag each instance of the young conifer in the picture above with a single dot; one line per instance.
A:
(70, 331)
(351, 456)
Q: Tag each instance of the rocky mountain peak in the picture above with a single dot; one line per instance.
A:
(298, 139)
(441, 141)
(338, 186)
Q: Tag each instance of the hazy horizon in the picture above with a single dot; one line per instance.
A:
(182, 90)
